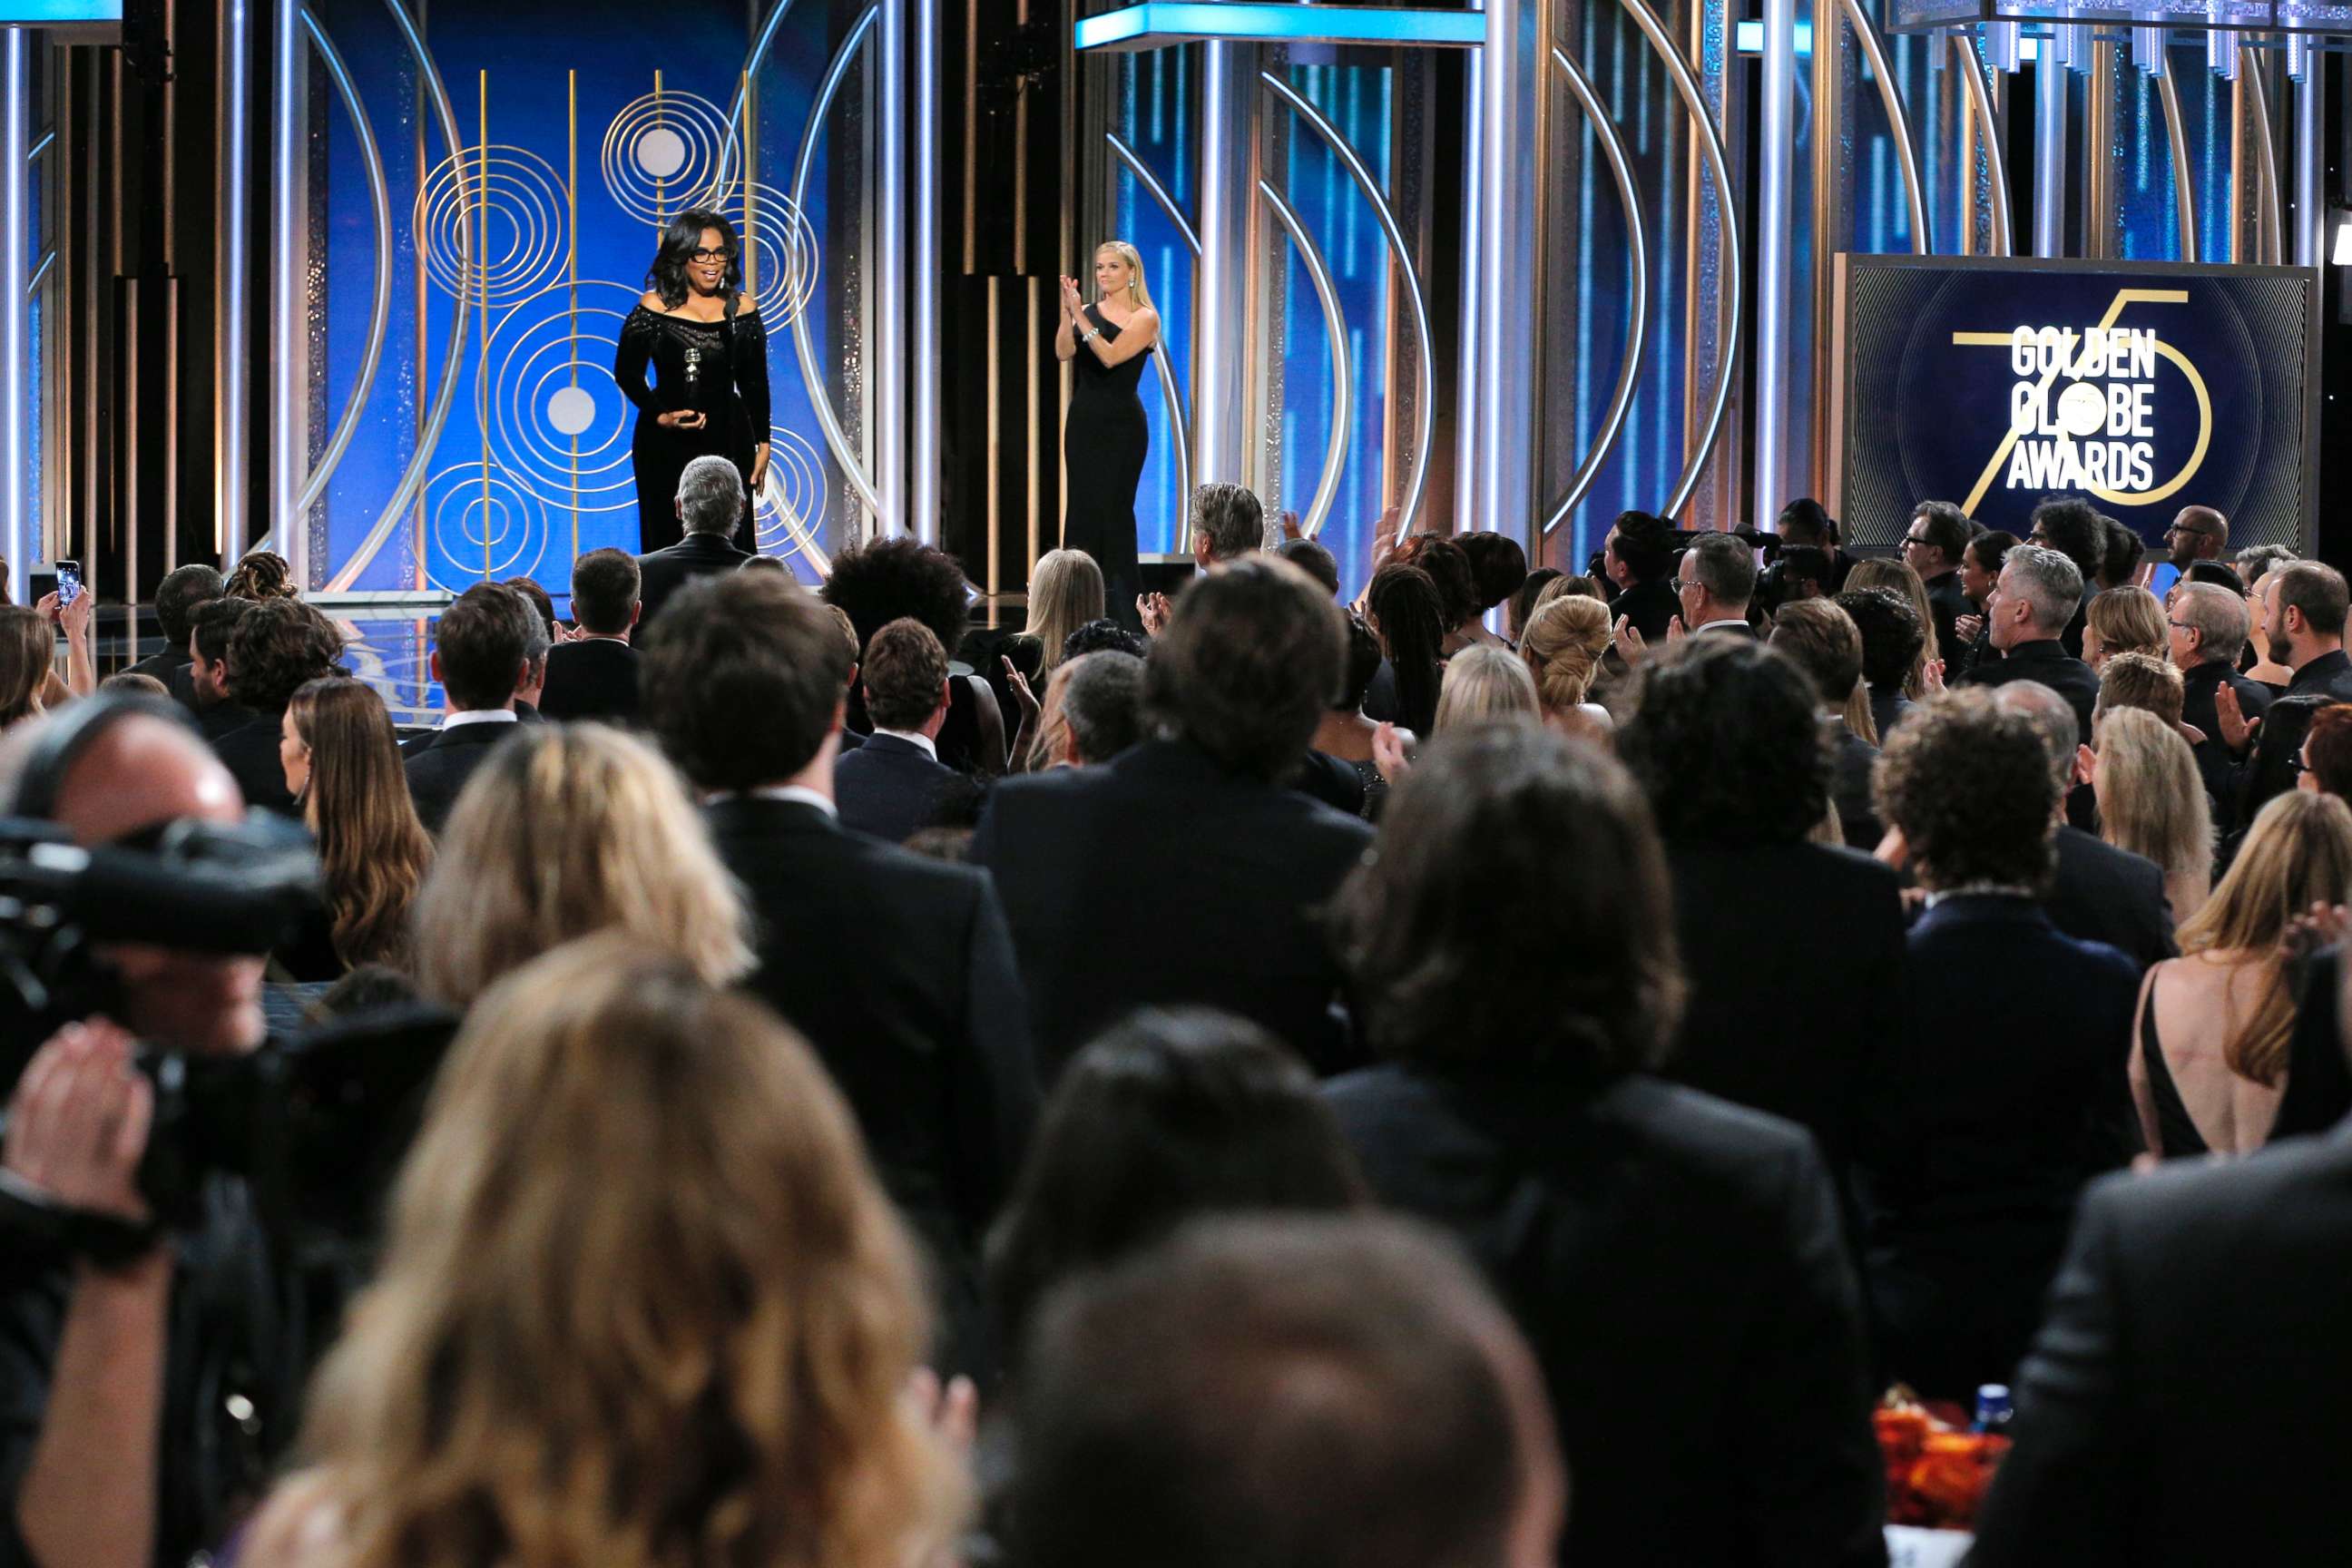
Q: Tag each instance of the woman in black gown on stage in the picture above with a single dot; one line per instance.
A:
(1103, 438)
(709, 354)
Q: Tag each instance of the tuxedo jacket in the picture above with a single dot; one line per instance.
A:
(439, 764)
(887, 788)
(2054, 666)
(2104, 894)
(595, 678)
(662, 573)
(1946, 605)
(162, 666)
(2200, 688)
(249, 751)
(1651, 607)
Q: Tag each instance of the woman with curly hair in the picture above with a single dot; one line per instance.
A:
(262, 575)
(1563, 644)
(1899, 577)
(901, 578)
(342, 766)
(643, 1305)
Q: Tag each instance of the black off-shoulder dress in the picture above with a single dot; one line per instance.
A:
(720, 368)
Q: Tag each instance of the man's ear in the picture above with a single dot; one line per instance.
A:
(636, 609)
(434, 664)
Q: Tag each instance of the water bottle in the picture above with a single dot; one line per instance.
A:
(1994, 1410)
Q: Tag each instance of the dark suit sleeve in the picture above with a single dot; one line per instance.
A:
(2160, 940)
(2060, 1496)
(992, 1079)
(1813, 1493)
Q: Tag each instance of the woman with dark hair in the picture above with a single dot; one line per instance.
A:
(1407, 613)
(1345, 735)
(1448, 565)
(709, 354)
(1675, 1261)
(1980, 566)
(901, 578)
(1527, 599)
(342, 763)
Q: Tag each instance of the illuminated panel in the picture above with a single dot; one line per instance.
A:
(37, 13)
(1161, 23)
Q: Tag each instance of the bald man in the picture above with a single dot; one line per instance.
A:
(2198, 533)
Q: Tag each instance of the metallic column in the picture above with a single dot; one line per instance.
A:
(2310, 215)
(888, 388)
(289, 433)
(1775, 128)
(15, 234)
(1499, 419)
(1474, 177)
(2099, 217)
(1221, 434)
(928, 260)
(2049, 155)
(233, 376)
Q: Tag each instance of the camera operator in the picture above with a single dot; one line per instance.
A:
(140, 1389)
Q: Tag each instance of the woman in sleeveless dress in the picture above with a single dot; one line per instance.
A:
(1105, 438)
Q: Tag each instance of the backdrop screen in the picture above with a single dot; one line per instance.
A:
(2145, 387)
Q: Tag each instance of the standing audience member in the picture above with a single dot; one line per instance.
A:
(1639, 558)
(1497, 567)
(1821, 640)
(2125, 550)
(2198, 533)
(1524, 604)
(1101, 707)
(278, 646)
(2038, 589)
(1714, 581)
(2206, 631)
(594, 676)
(2123, 620)
(1895, 577)
(2327, 753)
(2152, 802)
(2260, 663)
(342, 765)
(1228, 524)
(203, 687)
(2078, 530)
(1804, 523)
(901, 579)
(1402, 608)
(1313, 1393)
(481, 656)
(1344, 733)
(898, 969)
(641, 1296)
(1066, 591)
(565, 831)
(1729, 745)
(2143, 681)
(2209, 1058)
(1486, 684)
(709, 509)
(1893, 640)
(1235, 685)
(895, 784)
(1457, 589)
(1563, 644)
(2255, 561)
(2304, 633)
(1313, 559)
(176, 599)
(1980, 566)
(262, 575)
(2002, 1095)
(27, 648)
(2215, 575)
(542, 602)
(1675, 1261)
(1932, 546)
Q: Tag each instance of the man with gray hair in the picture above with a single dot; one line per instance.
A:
(1102, 707)
(2209, 625)
(2035, 596)
(2100, 893)
(1715, 580)
(1228, 522)
(710, 508)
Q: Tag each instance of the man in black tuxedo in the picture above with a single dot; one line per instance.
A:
(1932, 546)
(1639, 557)
(2184, 1402)
(1183, 871)
(278, 646)
(2028, 609)
(2209, 625)
(894, 783)
(2100, 893)
(201, 685)
(595, 675)
(2308, 608)
(710, 508)
(177, 597)
(898, 968)
(482, 656)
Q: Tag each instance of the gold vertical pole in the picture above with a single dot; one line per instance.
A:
(571, 276)
(751, 194)
(482, 260)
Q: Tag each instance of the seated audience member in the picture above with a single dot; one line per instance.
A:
(901, 579)
(481, 656)
(2078, 530)
(897, 968)
(2028, 608)
(1893, 641)
(564, 831)
(2123, 620)
(2099, 893)
(543, 604)
(1980, 566)
(2152, 804)
(1344, 733)
(1402, 608)
(1521, 1008)
(2305, 633)
(1457, 588)
(1102, 708)
(27, 649)
(343, 767)
(1096, 636)
(2003, 1093)
(1639, 557)
(2260, 663)
(2211, 1056)
(892, 784)
(1934, 546)
(1804, 523)
(2255, 561)
(1315, 1392)
(594, 676)
(1497, 567)
(2144, 681)
(1167, 1117)
(1095, 874)
(2206, 628)
(1563, 644)
(279, 646)
(203, 685)
(1896, 578)
(1522, 605)
(2125, 549)
(262, 575)
(709, 509)
(114, 1445)
(1486, 684)
(1728, 745)
(1821, 640)
(1313, 559)
(2181, 1405)
(176, 599)
(608, 1129)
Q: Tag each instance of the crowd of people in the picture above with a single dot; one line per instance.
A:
(1506, 1070)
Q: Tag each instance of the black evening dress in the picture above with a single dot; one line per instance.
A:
(1103, 443)
(720, 368)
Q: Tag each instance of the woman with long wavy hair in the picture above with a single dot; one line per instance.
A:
(643, 1305)
(1900, 577)
(2152, 802)
(1406, 613)
(2208, 1056)
(1066, 591)
(342, 766)
(27, 651)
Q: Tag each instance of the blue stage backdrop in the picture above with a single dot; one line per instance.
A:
(2145, 387)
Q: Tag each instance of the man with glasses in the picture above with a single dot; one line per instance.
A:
(2198, 533)
(1714, 581)
(1932, 546)
(2208, 628)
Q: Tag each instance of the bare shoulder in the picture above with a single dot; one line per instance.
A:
(652, 301)
(746, 300)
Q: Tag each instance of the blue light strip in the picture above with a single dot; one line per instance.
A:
(15, 91)
(38, 12)
(1160, 22)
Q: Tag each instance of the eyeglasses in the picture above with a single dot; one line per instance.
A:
(1919, 538)
(708, 256)
(2181, 626)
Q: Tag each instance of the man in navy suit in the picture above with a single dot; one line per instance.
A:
(487, 648)
(710, 508)
(595, 675)
(893, 784)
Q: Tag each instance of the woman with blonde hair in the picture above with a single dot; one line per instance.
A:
(643, 1305)
(2209, 1052)
(1484, 683)
(1563, 644)
(1900, 576)
(1066, 591)
(1104, 434)
(564, 831)
(2123, 620)
(2152, 802)
(342, 766)
(27, 649)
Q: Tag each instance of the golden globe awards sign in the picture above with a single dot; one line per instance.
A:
(2144, 387)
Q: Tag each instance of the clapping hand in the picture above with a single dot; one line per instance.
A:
(1152, 610)
(1023, 697)
(1291, 528)
(1931, 678)
(2322, 925)
(1072, 306)
(1393, 750)
(1630, 644)
(2236, 727)
(1675, 630)
(1970, 627)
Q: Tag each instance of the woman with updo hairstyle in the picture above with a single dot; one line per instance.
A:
(643, 1304)
(262, 575)
(564, 831)
(342, 762)
(1980, 564)
(2123, 620)
(1406, 613)
(1563, 646)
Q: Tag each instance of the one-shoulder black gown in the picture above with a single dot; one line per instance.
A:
(719, 367)
(1104, 440)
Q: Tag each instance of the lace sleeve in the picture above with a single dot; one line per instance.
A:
(629, 360)
(752, 370)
